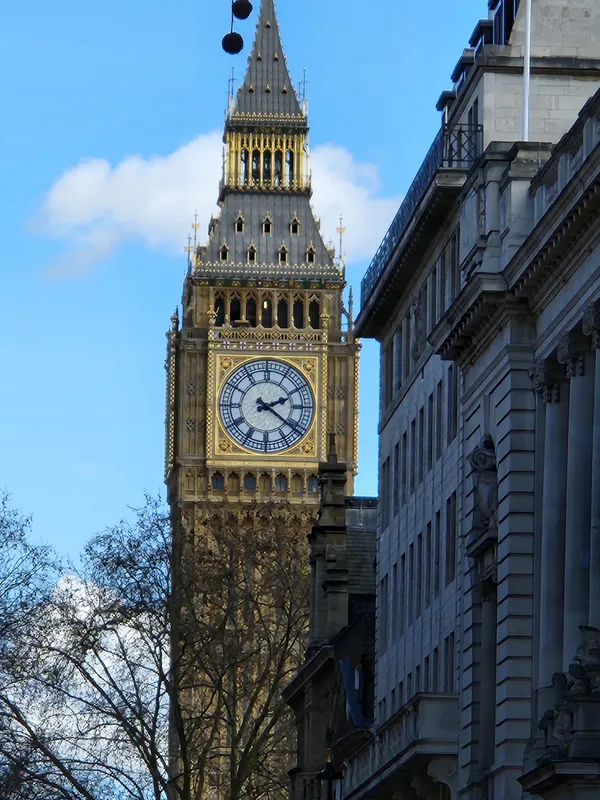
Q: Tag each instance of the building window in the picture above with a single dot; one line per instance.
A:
(267, 226)
(411, 582)
(384, 615)
(401, 608)
(298, 312)
(394, 603)
(314, 314)
(433, 306)
(239, 224)
(449, 656)
(396, 481)
(385, 493)
(437, 549)
(281, 484)
(219, 311)
(443, 283)
(224, 253)
(310, 255)
(428, 563)
(409, 686)
(388, 373)
(267, 311)
(413, 454)
(430, 426)
(407, 354)
(438, 420)
(421, 445)
(452, 409)
(251, 311)
(218, 482)
(249, 483)
(504, 19)
(313, 484)
(400, 694)
(403, 469)
(283, 317)
(453, 267)
(398, 358)
(419, 577)
(283, 255)
(450, 538)
(252, 255)
(294, 227)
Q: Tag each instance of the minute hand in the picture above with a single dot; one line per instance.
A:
(291, 423)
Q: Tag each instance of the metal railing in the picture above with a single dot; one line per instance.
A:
(456, 147)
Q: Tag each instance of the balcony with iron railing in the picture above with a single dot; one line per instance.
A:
(442, 174)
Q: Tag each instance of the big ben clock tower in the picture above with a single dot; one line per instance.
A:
(262, 367)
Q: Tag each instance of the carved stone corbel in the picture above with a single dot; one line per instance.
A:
(571, 352)
(546, 377)
(445, 771)
(590, 323)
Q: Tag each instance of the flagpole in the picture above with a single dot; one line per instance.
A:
(527, 70)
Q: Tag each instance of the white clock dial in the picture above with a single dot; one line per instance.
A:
(267, 406)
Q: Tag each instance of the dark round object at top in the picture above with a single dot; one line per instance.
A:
(241, 9)
(233, 43)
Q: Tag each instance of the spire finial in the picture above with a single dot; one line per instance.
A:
(341, 230)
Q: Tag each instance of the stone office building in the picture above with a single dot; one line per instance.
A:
(485, 296)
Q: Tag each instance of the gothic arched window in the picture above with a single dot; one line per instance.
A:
(267, 165)
(256, 167)
(252, 254)
(244, 168)
(289, 163)
(283, 254)
(278, 168)
(267, 312)
(311, 255)
(218, 482)
(313, 484)
(298, 312)
(251, 310)
(294, 226)
(224, 253)
(281, 484)
(267, 226)
(219, 311)
(314, 316)
(283, 314)
(239, 224)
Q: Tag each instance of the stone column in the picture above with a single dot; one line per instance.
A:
(573, 351)
(591, 327)
(546, 381)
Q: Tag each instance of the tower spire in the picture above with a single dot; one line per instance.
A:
(267, 90)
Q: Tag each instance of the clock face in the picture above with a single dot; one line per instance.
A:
(267, 406)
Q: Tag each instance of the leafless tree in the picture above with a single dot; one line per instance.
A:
(156, 671)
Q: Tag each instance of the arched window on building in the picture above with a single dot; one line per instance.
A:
(267, 311)
(283, 254)
(311, 255)
(314, 313)
(218, 482)
(224, 253)
(281, 483)
(219, 311)
(313, 484)
(267, 168)
(233, 483)
(251, 310)
(278, 168)
(235, 309)
(252, 254)
(249, 483)
(298, 312)
(267, 226)
(294, 226)
(239, 223)
(265, 484)
(289, 164)
(256, 167)
(244, 167)
(283, 313)
(297, 485)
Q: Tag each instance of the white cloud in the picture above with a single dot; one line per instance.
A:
(94, 207)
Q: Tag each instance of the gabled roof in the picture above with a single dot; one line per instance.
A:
(267, 90)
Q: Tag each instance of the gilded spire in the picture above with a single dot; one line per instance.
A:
(267, 90)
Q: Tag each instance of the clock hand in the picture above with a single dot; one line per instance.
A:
(282, 401)
(291, 423)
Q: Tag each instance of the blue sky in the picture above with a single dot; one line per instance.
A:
(112, 111)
